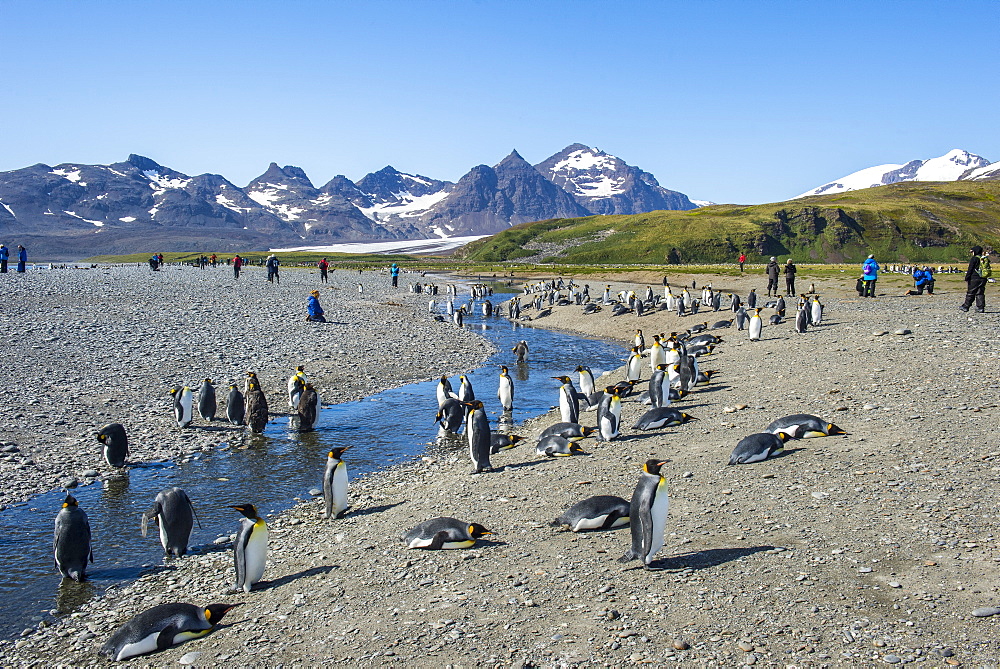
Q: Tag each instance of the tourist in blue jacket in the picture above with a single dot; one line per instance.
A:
(4, 256)
(315, 311)
(22, 258)
(870, 268)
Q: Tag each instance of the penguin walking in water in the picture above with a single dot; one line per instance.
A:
(477, 430)
(569, 407)
(308, 408)
(648, 514)
(608, 413)
(758, 447)
(183, 401)
(465, 391)
(71, 546)
(602, 512)
(174, 514)
(521, 351)
(451, 415)
(659, 387)
(444, 534)
(756, 325)
(444, 391)
(587, 386)
(251, 376)
(296, 384)
(633, 370)
(250, 549)
(256, 407)
(505, 392)
(335, 484)
(161, 627)
(207, 404)
(235, 408)
(115, 443)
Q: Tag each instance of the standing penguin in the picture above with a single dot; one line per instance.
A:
(71, 543)
(115, 444)
(465, 391)
(207, 404)
(586, 380)
(640, 340)
(296, 384)
(752, 299)
(256, 407)
(569, 406)
(633, 371)
(477, 430)
(608, 413)
(659, 387)
(162, 627)
(444, 391)
(335, 483)
(308, 408)
(174, 514)
(657, 355)
(521, 350)
(450, 415)
(802, 320)
(756, 325)
(183, 401)
(250, 547)
(741, 319)
(817, 310)
(235, 409)
(648, 514)
(505, 392)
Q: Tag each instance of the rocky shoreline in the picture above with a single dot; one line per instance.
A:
(876, 547)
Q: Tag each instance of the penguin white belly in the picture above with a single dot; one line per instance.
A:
(756, 457)
(755, 328)
(609, 426)
(256, 555)
(163, 532)
(565, 409)
(143, 646)
(590, 523)
(658, 518)
(448, 545)
(506, 397)
(339, 489)
(665, 391)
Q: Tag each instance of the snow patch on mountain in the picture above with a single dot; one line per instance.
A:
(703, 203)
(404, 206)
(160, 183)
(986, 172)
(589, 173)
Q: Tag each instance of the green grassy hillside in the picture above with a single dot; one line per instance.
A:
(907, 222)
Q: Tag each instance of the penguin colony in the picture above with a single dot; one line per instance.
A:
(673, 373)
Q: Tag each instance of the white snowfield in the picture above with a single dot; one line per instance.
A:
(593, 182)
(949, 167)
(389, 247)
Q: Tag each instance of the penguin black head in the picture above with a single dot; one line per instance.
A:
(214, 612)
(476, 531)
(248, 510)
(253, 384)
(562, 379)
(832, 429)
(208, 380)
(662, 366)
(784, 436)
(514, 438)
(474, 404)
(575, 448)
(337, 453)
(69, 501)
(503, 370)
(101, 437)
(686, 416)
(300, 368)
(610, 390)
(174, 391)
(587, 431)
(653, 466)
(580, 368)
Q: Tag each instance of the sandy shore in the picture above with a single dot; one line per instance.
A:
(871, 548)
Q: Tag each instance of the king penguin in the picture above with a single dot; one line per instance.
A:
(477, 430)
(758, 447)
(817, 310)
(659, 387)
(235, 408)
(183, 401)
(250, 547)
(296, 384)
(444, 391)
(569, 406)
(587, 386)
(256, 407)
(71, 545)
(335, 483)
(465, 391)
(521, 350)
(115, 443)
(444, 533)
(648, 514)
(450, 415)
(657, 356)
(608, 413)
(308, 408)
(802, 320)
(162, 627)
(207, 404)
(633, 372)
(505, 392)
(756, 325)
(601, 512)
(174, 514)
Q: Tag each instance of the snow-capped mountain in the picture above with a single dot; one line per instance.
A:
(605, 184)
(952, 166)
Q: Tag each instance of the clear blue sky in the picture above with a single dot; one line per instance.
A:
(749, 101)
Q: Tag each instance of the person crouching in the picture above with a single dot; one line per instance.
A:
(315, 311)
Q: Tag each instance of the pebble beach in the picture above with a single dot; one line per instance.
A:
(877, 547)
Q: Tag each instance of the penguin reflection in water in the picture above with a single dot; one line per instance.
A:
(71, 545)
(648, 514)
(250, 548)
(163, 627)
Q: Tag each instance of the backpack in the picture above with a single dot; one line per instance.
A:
(985, 271)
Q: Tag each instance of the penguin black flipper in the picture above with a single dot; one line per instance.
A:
(165, 639)
(193, 513)
(438, 541)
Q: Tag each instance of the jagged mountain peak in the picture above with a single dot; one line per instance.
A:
(513, 158)
(142, 163)
(282, 175)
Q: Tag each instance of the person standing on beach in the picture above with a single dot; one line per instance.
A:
(772, 270)
(394, 273)
(323, 267)
(4, 256)
(790, 278)
(214, 259)
(22, 258)
(870, 269)
(976, 278)
(743, 259)
(272, 268)
(315, 311)
(237, 266)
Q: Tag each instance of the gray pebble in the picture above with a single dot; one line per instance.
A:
(986, 611)
(892, 659)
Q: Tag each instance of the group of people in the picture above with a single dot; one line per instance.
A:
(773, 270)
(22, 258)
(977, 276)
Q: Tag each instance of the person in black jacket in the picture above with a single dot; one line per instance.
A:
(790, 278)
(976, 284)
(772, 276)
